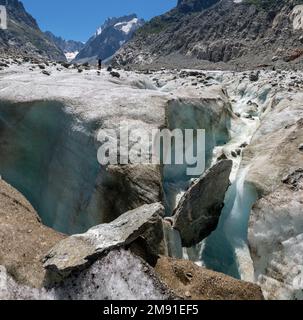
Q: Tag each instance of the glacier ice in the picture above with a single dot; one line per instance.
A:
(118, 276)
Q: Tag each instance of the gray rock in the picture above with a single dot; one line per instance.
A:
(65, 65)
(79, 251)
(294, 180)
(135, 185)
(234, 154)
(254, 76)
(47, 73)
(301, 147)
(115, 74)
(199, 210)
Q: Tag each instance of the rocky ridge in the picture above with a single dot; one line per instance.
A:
(109, 38)
(69, 47)
(23, 36)
(222, 34)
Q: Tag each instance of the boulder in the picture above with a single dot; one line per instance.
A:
(199, 210)
(134, 186)
(115, 74)
(254, 76)
(47, 73)
(79, 251)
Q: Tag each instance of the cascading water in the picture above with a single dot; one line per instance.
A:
(226, 249)
(228, 244)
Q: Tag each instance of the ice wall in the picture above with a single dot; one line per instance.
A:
(50, 157)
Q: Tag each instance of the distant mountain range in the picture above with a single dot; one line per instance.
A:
(195, 34)
(24, 37)
(70, 47)
(109, 38)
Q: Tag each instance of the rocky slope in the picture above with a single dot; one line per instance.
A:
(23, 238)
(109, 38)
(70, 47)
(23, 35)
(220, 34)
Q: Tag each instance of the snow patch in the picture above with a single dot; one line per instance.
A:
(71, 55)
(128, 26)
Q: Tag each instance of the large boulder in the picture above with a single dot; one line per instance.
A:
(198, 212)
(131, 186)
(24, 241)
(79, 251)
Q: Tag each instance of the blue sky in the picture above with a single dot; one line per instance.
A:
(77, 20)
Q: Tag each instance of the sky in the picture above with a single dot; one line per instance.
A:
(78, 20)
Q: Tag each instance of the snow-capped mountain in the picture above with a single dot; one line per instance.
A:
(109, 37)
(70, 47)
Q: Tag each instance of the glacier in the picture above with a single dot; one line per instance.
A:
(49, 148)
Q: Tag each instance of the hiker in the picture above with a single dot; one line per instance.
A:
(99, 64)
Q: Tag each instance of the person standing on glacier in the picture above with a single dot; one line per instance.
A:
(99, 63)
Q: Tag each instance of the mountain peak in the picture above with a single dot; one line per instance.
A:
(109, 37)
(119, 21)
